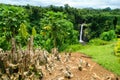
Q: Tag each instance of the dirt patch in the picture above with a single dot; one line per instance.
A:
(90, 69)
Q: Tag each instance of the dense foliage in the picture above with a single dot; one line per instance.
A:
(109, 35)
(54, 26)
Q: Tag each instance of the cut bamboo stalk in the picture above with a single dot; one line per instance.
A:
(13, 50)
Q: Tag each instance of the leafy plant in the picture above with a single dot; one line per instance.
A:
(117, 48)
(23, 34)
(11, 18)
(74, 47)
(98, 41)
(109, 35)
(57, 30)
(3, 43)
(33, 31)
(23, 31)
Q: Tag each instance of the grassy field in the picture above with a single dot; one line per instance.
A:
(102, 54)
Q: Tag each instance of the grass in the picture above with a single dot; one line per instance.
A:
(102, 54)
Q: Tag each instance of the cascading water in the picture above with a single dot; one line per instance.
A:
(81, 32)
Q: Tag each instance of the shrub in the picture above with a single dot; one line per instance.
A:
(109, 35)
(98, 41)
(117, 48)
(74, 47)
(4, 44)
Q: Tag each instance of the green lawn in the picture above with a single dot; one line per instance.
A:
(103, 55)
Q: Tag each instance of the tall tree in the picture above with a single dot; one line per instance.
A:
(59, 29)
(11, 19)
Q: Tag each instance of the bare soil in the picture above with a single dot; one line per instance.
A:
(90, 69)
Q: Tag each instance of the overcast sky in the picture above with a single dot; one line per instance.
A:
(73, 3)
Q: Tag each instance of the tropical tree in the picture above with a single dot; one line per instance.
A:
(58, 29)
(11, 18)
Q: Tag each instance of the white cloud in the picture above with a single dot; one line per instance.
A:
(73, 3)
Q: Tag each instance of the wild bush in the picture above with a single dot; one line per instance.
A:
(5, 45)
(74, 47)
(98, 41)
(117, 48)
(109, 35)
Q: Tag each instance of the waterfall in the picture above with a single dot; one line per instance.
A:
(81, 32)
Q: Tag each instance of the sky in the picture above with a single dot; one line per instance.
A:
(73, 3)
